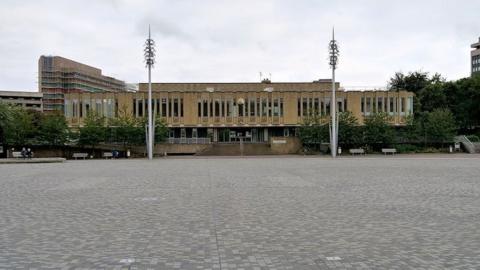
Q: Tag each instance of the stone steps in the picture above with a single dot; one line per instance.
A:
(249, 149)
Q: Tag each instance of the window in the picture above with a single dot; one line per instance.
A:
(217, 108)
(175, 108)
(392, 105)
(316, 105)
(240, 109)
(134, 107)
(222, 107)
(402, 105)
(380, 104)
(199, 108)
(281, 107)
(229, 108)
(98, 106)
(164, 107)
(327, 106)
(305, 107)
(369, 105)
(299, 107)
(410, 105)
(270, 107)
(205, 108)
(211, 108)
(252, 107)
(258, 107)
(181, 107)
(276, 110)
(66, 108)
(87, 107)
(264, 107)
(74, 108)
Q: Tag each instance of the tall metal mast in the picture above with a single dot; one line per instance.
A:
(149, 53)
(334, 52)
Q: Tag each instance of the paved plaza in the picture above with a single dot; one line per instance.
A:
(242, 213)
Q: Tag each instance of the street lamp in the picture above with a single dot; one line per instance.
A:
(333, 53)
(149, 53)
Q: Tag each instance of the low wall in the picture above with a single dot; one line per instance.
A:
(285, 145)
(180, 148)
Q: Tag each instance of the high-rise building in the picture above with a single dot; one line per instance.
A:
(475, 58)
(58, 76)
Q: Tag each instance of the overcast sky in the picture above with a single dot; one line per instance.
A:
(232, 41)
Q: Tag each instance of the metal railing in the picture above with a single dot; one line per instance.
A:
(189, 140)
(469, 146)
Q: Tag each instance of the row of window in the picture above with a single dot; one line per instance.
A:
(49, 75)
(476, 59)
(384, 104)
(171, 107)
(308, 106)
(103, 107)
(255, 107)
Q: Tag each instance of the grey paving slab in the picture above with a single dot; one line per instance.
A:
(242, 213)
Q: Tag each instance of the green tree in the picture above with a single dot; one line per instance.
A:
(127, 130)
(348, 129)
(161, 130)
(20, 129)
(5, 114)
(16, 124)
(5, 120)
(93, 131)
(440, 126)
(377, 131)
(412, 132)
(463, 99)
(313, 130)
(414, 82)
(53, 129)
(432, 97)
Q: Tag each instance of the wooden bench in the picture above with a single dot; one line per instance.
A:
(359, 151)
(80, 155)
(389, 151)
(107, 155)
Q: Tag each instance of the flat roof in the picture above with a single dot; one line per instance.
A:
(476, 45)
(20, 94)
(238, 86)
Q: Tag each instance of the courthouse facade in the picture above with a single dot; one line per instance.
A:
(226, 112)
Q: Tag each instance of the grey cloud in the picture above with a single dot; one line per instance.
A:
(212, 40)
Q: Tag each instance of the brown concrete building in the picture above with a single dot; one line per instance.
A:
(58, 76)
(226, 111)
(27, 100)
(475, 58)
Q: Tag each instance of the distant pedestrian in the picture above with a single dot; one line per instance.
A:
(24, 153)
(29, 153)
